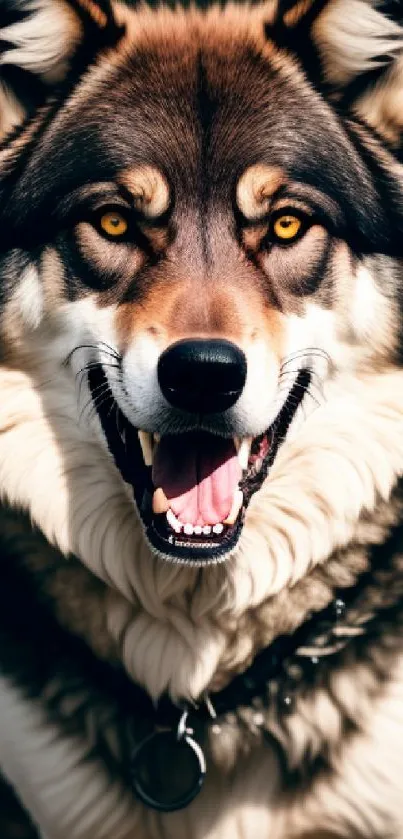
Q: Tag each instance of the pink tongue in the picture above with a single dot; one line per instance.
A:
(199, 474)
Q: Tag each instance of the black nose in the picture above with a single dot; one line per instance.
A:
(202, 376)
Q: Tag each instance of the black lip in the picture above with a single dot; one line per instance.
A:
(122, 437)
(278, 431)
(200, 552)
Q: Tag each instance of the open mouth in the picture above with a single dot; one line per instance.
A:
(191, 489)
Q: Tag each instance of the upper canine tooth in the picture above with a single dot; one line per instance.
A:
(160, 502)
(173, 521)
(235, 507)
(244, 452)
(146, 443)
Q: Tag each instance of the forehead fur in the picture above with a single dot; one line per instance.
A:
(147, 27)
(200, 96)
(196, 94)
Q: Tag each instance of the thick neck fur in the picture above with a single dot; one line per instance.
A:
(182, 629)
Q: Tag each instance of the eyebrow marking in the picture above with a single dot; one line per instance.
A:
(149, 189)
(256, 187)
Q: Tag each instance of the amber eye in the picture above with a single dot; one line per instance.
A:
(287, 227)
(114, 224)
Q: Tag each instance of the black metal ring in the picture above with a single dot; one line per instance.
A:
(188, 795)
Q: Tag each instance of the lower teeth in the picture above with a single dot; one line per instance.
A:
(190, 530)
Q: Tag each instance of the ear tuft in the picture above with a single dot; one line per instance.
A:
(290, 28)
(361, 47)
(35, 50)
(43, 39)
(11, 112)
(355, 37)
(39, 39)
(353, 51)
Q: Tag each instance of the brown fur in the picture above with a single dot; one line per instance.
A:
(215, 120)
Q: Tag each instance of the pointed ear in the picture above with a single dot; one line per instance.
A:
(353, 51)
(361, 47)
(290, 26)
(39, 43)
(290, 21)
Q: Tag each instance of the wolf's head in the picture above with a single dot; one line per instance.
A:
(201, 220)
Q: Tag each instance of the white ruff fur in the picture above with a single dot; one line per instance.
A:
(344, 458)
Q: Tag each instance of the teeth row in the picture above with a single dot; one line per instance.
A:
(191, 530)
(160, 505)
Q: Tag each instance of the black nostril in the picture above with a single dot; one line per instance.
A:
(202, 376)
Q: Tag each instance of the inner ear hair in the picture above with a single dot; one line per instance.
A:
(40, 41)
(290, 28)
(360, 44)
(352, 50)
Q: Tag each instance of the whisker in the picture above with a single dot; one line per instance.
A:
(93, 365)
(108, 351)
(315, 379)
(112, 406)
(122, 433)
(98, 387)
(111, 349)
(312, 373)
(288, 370)
(316, 395)
(308, 393)
(83, 410)
(285, 368)
(286, 394)
(305, 388)
(102, 398)
(97, 401)
(100, 391)
(313, 352)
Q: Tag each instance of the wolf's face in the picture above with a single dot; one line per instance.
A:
(196, 226)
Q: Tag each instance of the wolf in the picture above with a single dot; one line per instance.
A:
(201, 419)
